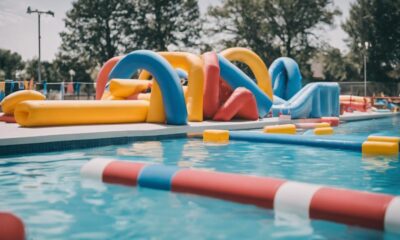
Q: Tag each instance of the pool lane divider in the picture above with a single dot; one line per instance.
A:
(373, 145)
(369, 210)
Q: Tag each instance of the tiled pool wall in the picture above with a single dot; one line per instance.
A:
(78, 144)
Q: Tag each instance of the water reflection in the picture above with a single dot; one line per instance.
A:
(150, 149)
(379, 164)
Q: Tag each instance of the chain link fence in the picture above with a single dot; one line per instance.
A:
(373, 88)
(53, 91)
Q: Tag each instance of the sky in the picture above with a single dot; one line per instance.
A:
(18, 30)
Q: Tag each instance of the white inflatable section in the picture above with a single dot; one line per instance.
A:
(94, 168)
(392, 216)
(295, 198)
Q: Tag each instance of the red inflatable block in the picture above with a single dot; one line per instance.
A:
(124, 173)
(241, 104)
(211, 84)
(11, 227)
(7, 118)
(102, 77)
(225, 91)
(333, 121)
(244, 189)
(350, 207)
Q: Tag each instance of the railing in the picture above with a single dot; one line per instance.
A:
(373, 88)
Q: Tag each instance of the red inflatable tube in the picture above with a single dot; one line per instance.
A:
(348, 106)
(11, 227)
(238, 188)
(370, 210)
(241, 104)
(211, 84)
(350, 207)
(102, 78)
(224, 91)
(124, 173)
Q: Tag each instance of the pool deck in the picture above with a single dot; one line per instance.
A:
(12, 135)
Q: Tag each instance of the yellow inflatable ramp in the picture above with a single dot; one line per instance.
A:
(54, 113)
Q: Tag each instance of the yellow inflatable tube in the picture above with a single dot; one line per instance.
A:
(193, 64)
(156, 110)
(10, 102)
(255, 63)
(123, 88)
(54, 113)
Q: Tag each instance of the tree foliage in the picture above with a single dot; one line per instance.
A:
(167, 24)
(338, 68)
(96, 30)
(376, 22)
(273, 27)
(10, 62)
(242, 23)
(49, 71)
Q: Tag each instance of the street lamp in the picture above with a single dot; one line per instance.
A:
(365, 47)
(71, 74)
(39, 13)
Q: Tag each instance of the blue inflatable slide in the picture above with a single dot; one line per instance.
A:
(315, 100)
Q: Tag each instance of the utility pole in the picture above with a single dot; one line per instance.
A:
(39, 13)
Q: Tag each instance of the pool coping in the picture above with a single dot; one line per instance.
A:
(18, 140)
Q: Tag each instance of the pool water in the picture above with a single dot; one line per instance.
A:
(47, 192)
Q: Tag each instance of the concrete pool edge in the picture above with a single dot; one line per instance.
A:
(17, 140)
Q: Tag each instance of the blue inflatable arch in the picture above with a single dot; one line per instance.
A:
(166, 77)
(286, 77)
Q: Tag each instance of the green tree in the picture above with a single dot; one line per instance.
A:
(273, 27)
(96, 30)
(10, 62)
(376, 22)
(167, 24)
(294, 22)
(242, 23)
(338, 68)
(48, 70)
(82, 69)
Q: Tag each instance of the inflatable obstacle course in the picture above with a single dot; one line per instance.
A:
(216, 90)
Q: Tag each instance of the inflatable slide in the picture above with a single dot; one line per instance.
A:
(315, 100)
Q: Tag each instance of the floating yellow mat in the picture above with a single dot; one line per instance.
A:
(281, 129)
(216, 136)
(323, 131)
(380, 148)
(53, 113)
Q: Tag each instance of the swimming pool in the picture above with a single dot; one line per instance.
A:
(45, 190)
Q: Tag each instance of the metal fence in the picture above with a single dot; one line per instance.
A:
(53, 91)
(373, 88)
(85, 90)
